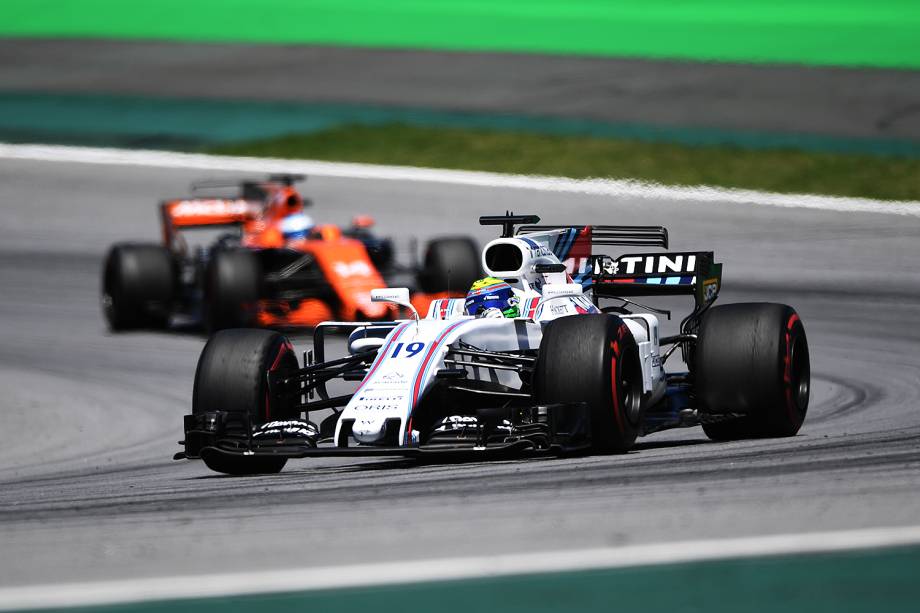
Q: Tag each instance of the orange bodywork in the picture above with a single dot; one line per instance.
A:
(350, 273)
(310, 312)
(344, 261)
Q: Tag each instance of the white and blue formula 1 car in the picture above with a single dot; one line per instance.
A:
(581, 369)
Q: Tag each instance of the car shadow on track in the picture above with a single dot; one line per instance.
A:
(649, 445)
(297, 469)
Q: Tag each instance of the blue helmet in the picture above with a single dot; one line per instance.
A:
(491, 293)
(296, 226)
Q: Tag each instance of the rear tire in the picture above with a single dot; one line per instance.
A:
(232, 375)
(451, 265)
(138, 286)
(752, 358)
(594, 359)
(233, 289)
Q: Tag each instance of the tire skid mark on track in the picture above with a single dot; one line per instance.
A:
(900, 451)
(849, 398)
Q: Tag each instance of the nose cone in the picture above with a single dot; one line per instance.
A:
(368, 429)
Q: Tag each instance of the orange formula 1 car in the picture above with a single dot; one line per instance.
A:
(259, 260)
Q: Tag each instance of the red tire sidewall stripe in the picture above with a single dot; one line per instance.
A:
(285, 347)
(614, 379)
(791, 408)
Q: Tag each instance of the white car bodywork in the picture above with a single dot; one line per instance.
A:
(414, 351)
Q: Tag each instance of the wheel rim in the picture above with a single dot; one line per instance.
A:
(800, 373)
(108, 291)
(629, 391)
(108, 303)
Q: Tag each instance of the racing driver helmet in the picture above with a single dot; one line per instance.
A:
(491, 297)
(296, 226)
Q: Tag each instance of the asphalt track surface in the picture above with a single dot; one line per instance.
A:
(88, 490)
(832, 102)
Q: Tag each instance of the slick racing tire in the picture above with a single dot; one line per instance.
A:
(451, 265)
(594, 359)
(752, 359)
(232, 375)
(138, 286)
(232, 289)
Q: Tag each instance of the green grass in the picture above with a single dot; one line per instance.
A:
(825, 32)
(789, 171)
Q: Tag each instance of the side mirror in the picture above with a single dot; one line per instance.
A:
(364, 222)
(394, 295)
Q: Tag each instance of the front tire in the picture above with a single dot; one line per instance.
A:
(232, 290)
(594, 359)
(752, 359)
(138, 286)
(232, 375)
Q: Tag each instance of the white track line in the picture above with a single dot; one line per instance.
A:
(395, 573)
(609, 187)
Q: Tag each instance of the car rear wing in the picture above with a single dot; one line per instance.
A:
(203, 212)
(248, 189)
(645, 274)
(658, 274)
(627, 236)
(575, 246)
(646, 236)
